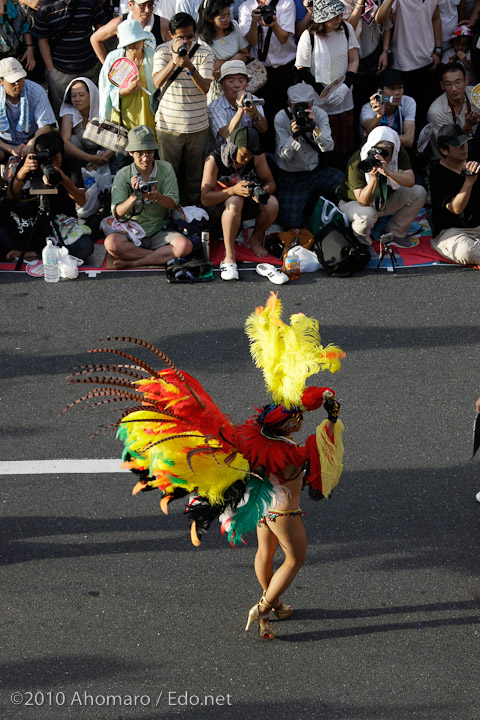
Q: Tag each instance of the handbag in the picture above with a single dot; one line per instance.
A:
(258, 75)
(107, 134)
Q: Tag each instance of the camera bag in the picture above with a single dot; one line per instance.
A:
(188, 271)
(339, 251)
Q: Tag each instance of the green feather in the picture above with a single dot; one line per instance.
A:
(246, 518)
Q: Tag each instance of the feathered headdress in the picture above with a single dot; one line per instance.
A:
(289, 354)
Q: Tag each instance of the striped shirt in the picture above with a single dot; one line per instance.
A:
(71, 52)
(183, 108)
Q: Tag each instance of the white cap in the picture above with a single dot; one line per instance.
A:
(12, 69)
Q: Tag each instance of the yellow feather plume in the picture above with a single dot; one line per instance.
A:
(288, 354)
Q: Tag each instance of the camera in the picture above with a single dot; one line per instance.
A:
(381, 99)
(310, 3)
(145, 186)
(302, 118)
(183, 49)
(259, 192)
(47, 167)
(267, 13)
(249, 101)
(371, 161)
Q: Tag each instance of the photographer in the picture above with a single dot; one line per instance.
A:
(303, 145)
(455, 196)
(182, 70)
(238, 185)
(56, 170)
(379, 181)
(230, 110)
(269, 27)
(398, 111)
(146, 192)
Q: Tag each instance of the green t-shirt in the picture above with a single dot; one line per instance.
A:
(151, 216)
(355, 179)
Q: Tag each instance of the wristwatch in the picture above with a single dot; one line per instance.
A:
(438, 51)
(191, 72)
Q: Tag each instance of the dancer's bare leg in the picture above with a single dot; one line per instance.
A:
(267, 544)
(292, 538)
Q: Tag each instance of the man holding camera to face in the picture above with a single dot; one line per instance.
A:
(269, 28)
(390, 106)
(54, 176)
(303, 146)
(235, 107)
(379, 181)
(182, 71)
(146, 192)
(455, 193)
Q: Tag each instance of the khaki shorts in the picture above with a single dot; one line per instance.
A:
(157, 240)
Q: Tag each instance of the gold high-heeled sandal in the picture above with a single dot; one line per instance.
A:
(265, 630)
(283, 611)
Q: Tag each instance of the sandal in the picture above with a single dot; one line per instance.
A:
(271, 272)
(265, 630)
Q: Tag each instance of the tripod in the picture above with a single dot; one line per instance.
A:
(386, 246)
(41, 226)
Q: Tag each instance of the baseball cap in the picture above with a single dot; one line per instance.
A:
(233, 67)
(247, 137)
(11, 69)
(451, 134)
(141, 138)
(301, 92)
(391, 76)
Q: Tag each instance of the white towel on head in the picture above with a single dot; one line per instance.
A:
(68, 109)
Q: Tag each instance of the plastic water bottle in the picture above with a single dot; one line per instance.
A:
(51, 270)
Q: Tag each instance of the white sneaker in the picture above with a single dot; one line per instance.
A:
(228, 271)
(271, 272)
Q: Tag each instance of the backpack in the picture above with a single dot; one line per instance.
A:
(339, 251)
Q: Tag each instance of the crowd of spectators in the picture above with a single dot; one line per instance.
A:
(250, 110)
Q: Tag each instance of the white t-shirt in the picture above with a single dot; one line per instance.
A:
(413, 41)
(408, 108)
(278, 53)
(228, 46)
(449, 17)
(334, 46)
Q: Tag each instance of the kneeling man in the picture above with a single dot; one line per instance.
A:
(149, 209)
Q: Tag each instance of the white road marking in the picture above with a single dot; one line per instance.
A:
(54, 467)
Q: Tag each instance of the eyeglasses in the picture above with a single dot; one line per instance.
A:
(455, 83)
(144, 153)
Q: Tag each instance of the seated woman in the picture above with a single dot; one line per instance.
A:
(238, 185)
(68, 181)
(221, 33)
(80, 104)
(131, 105)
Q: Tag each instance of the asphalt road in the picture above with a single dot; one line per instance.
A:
(109, 613)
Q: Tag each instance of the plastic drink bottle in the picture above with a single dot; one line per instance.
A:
(51, 271)
(292, 262)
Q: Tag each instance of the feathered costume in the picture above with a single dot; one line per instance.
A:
(178, 440)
